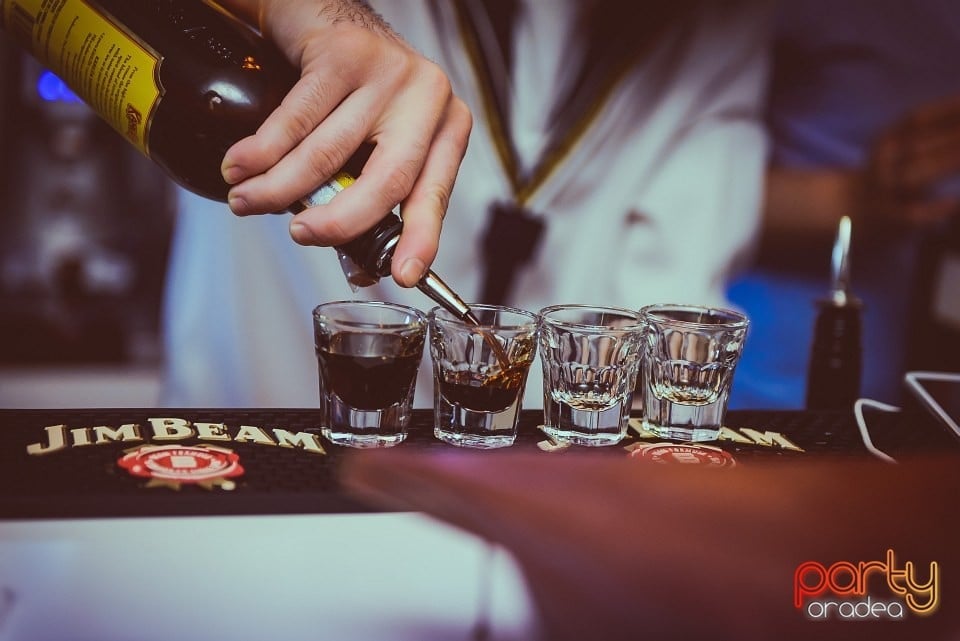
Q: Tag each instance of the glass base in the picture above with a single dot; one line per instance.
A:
(682, 432)
(682, 421)
(590, 428)
(366, 429)
(457, 425)
(473, 440)
(362, 441)
(592, 439)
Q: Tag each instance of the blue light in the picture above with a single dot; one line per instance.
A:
(51, 89)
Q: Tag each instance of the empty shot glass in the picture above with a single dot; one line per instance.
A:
(480, 372)
(590, 358)
(690, 354)
(368, 354)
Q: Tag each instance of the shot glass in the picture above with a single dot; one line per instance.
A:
(368, 354)
(590, 356)
(690, 354)
(479, 374)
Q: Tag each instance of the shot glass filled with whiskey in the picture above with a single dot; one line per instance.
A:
(368, 354)
(480, 370)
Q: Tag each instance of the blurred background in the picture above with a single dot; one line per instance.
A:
(86, 224)
(86, 221)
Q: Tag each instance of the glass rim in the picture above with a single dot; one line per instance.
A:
(544, 317)
(441, 314)
(734, 319)
(419, 318)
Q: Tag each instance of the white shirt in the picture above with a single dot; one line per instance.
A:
(657, 201)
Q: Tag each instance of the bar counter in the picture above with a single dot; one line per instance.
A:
(222, 523)
(183, 462)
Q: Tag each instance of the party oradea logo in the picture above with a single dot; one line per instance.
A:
(866, 590)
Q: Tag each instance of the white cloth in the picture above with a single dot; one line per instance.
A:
(397, 576)
(657, 202)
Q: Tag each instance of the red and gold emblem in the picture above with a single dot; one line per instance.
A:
(693, 453)
(173, 465)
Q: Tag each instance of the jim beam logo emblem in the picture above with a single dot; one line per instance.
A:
(688, 454)
(207, 466)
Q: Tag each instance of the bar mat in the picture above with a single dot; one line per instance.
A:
(183, 462)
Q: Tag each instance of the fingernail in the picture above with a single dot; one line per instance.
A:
(232, 174)
(238, 204)
(302, 234)
(412, 271)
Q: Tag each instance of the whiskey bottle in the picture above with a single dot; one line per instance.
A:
(183, 81)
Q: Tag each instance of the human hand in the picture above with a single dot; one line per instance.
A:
(910, 161)
(360, 82)
(620, 549)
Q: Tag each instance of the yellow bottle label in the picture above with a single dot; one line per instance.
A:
(325, 192)
(107, 67)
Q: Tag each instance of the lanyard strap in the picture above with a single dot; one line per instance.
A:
(612, 49)
(613, 68)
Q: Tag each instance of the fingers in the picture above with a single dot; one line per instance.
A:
(404, 135)
(396, 166)
(300, 170)
(308, 103)
(426, 206)
(415, 161)
(365, 85)
(316, 128)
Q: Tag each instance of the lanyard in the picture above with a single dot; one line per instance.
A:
(612, 49)
(585, 114)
